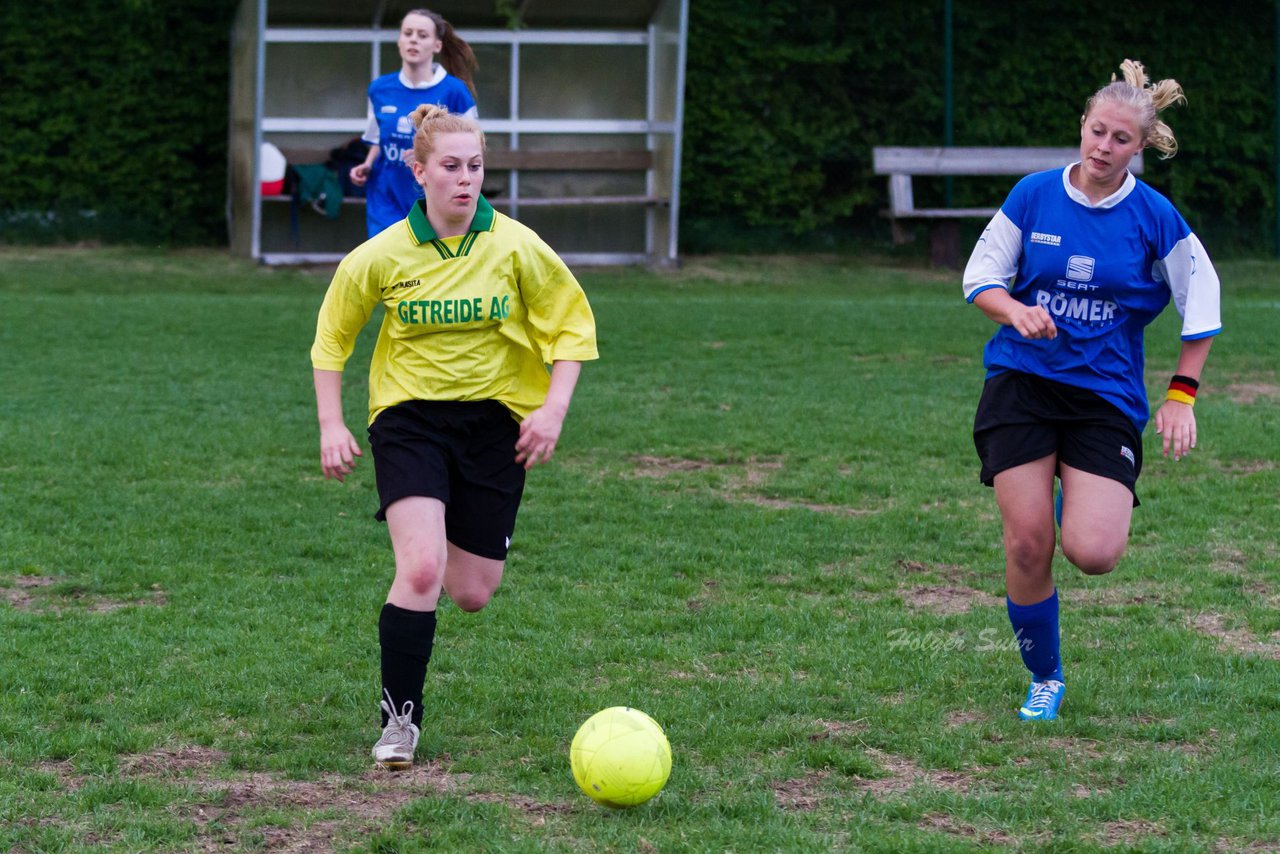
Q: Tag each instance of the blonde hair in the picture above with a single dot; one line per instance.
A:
(456, 56)
(431, 120)
(1147, 99)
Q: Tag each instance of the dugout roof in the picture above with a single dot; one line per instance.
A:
(596, 86)
(538, 14)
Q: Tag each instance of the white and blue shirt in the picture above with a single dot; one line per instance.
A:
(392, 190)
(1103, 272)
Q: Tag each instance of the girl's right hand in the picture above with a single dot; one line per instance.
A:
(338, 450)
(359, 174)
(1032, 321)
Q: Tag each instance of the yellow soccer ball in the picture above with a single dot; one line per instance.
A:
(620, 757)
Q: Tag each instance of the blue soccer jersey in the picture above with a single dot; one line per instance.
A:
(392, 190)
(1103, 272)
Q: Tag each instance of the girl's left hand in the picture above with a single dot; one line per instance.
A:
(538, 436)
(1176, 422)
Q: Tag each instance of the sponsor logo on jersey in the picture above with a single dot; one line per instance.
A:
(1086, 309)
(449, 312)
(403, 125)
(1080, 268)
(388, 108)
(1046, 239)
(394, 153)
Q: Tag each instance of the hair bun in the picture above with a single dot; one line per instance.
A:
(426, 113)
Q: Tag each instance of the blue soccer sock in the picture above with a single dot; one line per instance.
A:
(1036, 628)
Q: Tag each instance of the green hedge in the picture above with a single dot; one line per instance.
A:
(116, 112)
(115, 118)
(786, 99)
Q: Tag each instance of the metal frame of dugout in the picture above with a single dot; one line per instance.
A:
(582, 109)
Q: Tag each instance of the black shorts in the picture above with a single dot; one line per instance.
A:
(1022, 418)
(461, 452)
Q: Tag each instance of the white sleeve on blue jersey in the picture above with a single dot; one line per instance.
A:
(994, 262)
(473, 113)
(1193, 281)
(371, 134)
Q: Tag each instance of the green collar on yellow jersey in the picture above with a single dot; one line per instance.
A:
(424, 233)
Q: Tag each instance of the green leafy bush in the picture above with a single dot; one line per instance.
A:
(115, 113)
(115, 117)
(785, 102)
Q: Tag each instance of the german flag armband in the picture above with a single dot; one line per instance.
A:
(1183, 389)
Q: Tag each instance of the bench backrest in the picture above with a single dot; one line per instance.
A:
(622, 160)
(976, 161)
(609, 160)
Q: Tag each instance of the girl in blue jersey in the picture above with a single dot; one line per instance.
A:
(1073, 267)
(424, 34)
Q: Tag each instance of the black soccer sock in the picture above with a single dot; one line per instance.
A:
(406, 638)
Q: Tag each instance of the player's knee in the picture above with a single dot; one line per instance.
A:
(1093, 558)
(474, 595)
(472, 600)
(424, 573)
(1029, 551)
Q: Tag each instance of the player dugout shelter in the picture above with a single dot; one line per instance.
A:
(581, 104)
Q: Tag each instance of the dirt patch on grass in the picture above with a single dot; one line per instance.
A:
(660, 467)
(227, 808)
(31, 593)
(743, 479)
(1135, 593)
(1249, 393)
(958, 719)
(1229, 560)
(1191, 748)
(63, 772)
(19, 595)
(1236, 639)
(837, 729)
(952, 596)
(784, 504)
(948, 600)
(1262, 591)
(1128, 833)
(1237, 467)
(368, 803)
(171, 761)
(903, 774)
(802, 793)
(949, 824)
(1087, 748)
(535, 810)
(1224, 845)
(950, 573)
(695, 604)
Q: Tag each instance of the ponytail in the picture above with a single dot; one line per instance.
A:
(1148, 99)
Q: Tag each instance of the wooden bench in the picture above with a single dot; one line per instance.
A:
(903, 164)
(534, 160)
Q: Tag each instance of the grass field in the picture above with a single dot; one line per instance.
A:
(763, 528)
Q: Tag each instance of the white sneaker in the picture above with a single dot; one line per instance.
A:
(399, 737)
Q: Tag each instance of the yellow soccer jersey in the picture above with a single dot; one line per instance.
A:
(473, 317)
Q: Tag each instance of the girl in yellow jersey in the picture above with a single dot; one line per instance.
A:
(460, 400)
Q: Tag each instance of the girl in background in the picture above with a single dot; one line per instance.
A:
(424, 35)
